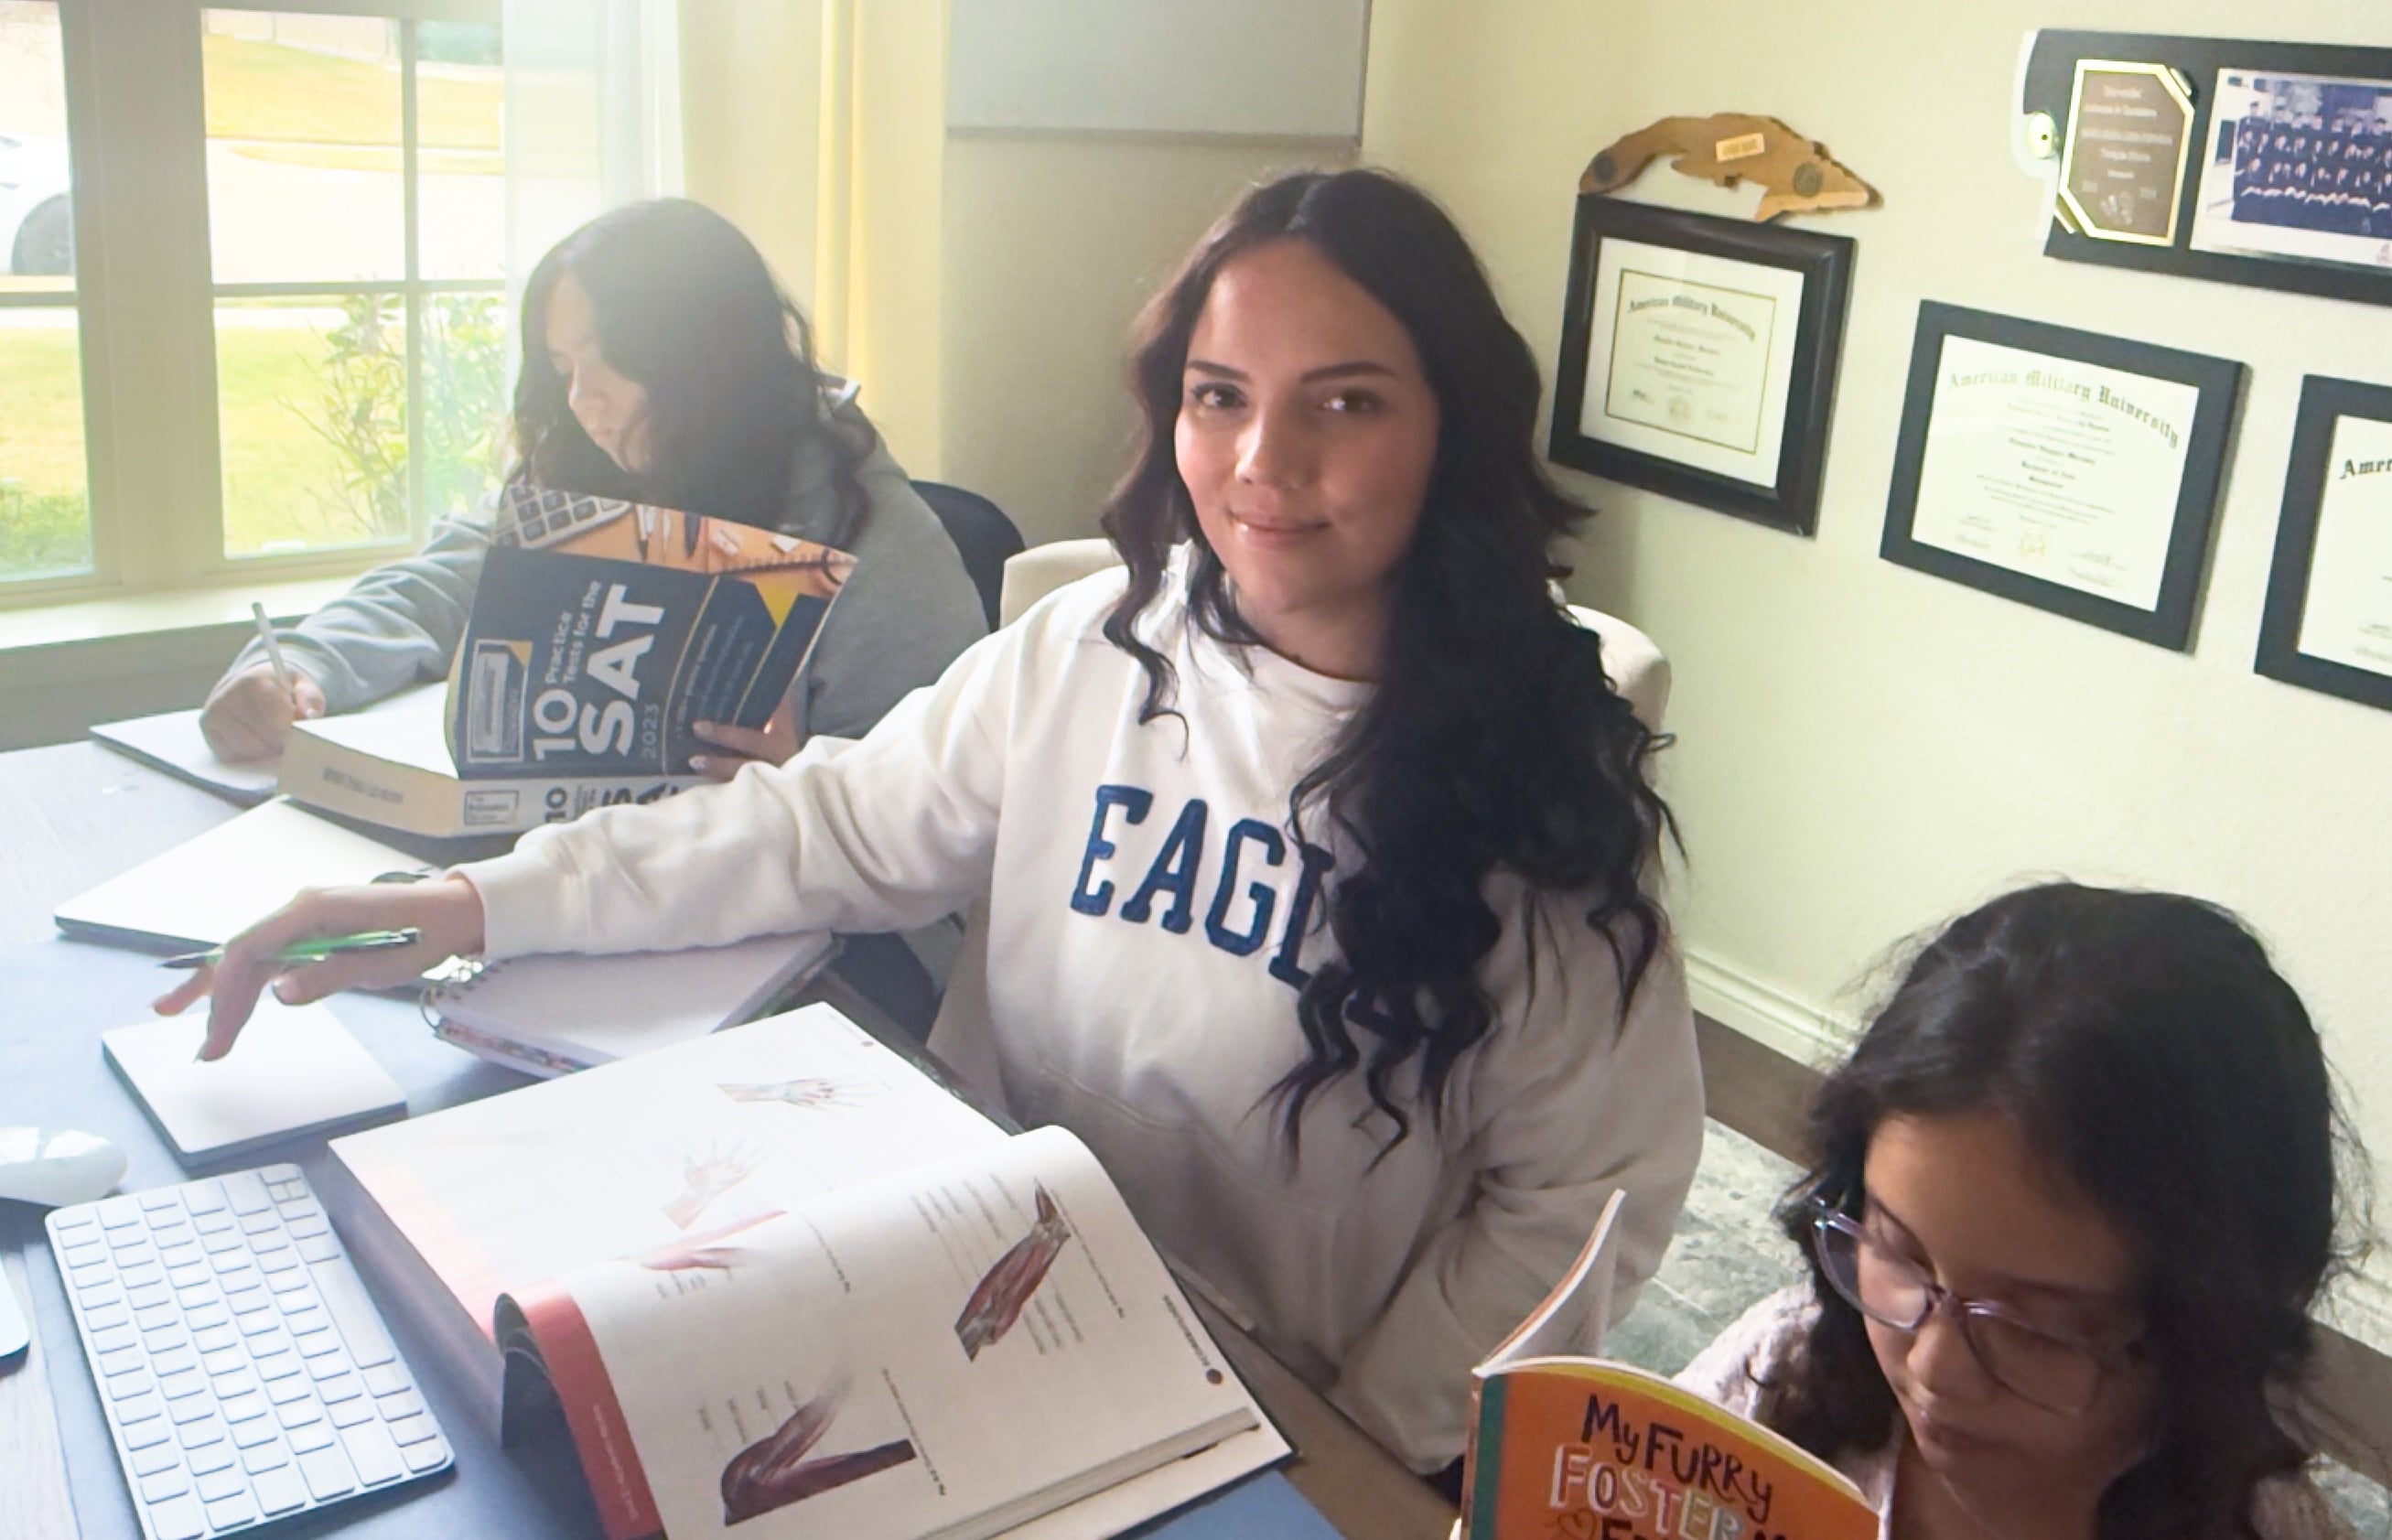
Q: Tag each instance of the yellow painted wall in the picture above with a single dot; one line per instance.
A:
(980, 285)
(1053, 242)
(751, 98)
(818, 126)
(892, 341)
(1862, 749)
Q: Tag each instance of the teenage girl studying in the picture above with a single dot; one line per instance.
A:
(1320, 857)
(2073, 1198)
(661, 364)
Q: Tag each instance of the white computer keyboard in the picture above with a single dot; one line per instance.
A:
(244, 1371)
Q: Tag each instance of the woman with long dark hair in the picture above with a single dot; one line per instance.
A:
(1318, 854)
(2070, 1200)
(661, 362)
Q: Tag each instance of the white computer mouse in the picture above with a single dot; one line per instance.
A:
(57, 1166)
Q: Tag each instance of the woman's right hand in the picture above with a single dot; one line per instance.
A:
(773, 744)
(249, 713)
(446, 909)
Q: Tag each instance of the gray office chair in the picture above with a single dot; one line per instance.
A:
(983, 537)
(879, 965)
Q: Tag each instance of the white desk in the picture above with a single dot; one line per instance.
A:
(74, 815)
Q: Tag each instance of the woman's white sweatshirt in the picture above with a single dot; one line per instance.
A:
(1149, 923)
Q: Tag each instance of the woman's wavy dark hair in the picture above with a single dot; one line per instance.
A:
(2145, 1044)
(685, 307)
(1494, 738)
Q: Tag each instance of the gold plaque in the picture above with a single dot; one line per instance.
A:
(2129, 135)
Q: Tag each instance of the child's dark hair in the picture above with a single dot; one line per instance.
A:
(687, 308)
(2146, 1043)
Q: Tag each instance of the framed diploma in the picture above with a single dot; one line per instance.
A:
(2066, 470)
(1698, 357)
(2328, 623)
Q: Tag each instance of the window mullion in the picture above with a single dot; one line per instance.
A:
(413, 303)
(86, 153)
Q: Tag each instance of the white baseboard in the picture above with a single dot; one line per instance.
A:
(2360, 1306)
(1767, 1014)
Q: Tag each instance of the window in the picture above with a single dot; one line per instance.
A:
(355, 229)
(45, 489)
(285, 351)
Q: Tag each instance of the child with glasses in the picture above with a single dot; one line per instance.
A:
(2072, 1197)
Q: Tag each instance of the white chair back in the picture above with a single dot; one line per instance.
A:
(1032, 574)
(1634, 660)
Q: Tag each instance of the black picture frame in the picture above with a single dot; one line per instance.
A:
(2325, 403)
(1824, 264)
(2048, 86)
(2169, 623)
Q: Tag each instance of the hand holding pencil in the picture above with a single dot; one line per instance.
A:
(248, 715)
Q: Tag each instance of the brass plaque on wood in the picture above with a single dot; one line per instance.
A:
(1794, 173)
(2129, 135)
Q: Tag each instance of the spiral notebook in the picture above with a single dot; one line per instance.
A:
(552, 1014)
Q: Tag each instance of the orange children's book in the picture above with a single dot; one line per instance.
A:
(1567, 1446)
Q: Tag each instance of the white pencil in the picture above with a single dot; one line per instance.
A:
(273, 647)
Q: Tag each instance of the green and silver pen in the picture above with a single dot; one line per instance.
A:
(311, 951)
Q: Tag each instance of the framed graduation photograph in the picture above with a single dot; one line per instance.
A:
(1698, 357)
(2303, 171)
(2067, 470)
(2245, 161)
(2328, 623)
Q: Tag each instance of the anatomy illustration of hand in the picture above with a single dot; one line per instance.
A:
(811, 1091)
(691, 1252)
(706, 1177)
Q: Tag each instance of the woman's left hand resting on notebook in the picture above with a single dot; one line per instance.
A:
(447, 911)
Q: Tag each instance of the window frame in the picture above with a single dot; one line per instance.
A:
(85, 298)
(137, 138)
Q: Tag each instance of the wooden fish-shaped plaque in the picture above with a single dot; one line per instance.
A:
(1795, 172)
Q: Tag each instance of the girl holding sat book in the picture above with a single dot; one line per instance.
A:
(663, 365)
(2072, 1198)
(1318, 855)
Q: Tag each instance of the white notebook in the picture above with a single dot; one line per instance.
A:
(294, 1070)
(172, 741)
(215, 885)
(554, 1014)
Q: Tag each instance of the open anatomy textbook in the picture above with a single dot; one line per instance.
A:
(779, 1283)
(1564, 1443)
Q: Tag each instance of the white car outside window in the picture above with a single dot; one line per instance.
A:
(36, 219)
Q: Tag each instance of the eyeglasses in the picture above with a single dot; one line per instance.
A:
(2058, 1373)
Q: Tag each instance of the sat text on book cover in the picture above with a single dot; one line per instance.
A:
(605, 631)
